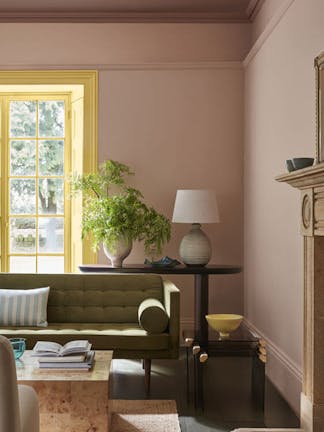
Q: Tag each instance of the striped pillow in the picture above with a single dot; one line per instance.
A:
(24, 307)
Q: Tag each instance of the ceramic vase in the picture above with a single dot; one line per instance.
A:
(119, 252)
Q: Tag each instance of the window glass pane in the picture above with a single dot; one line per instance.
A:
(23, 118)
(22, 264)
(23, 157)
(51, 235)
(51, 157)
(36, 166)
(50, 264)
(22, 196)
(51, 119)
(51, 196)
(22, 235)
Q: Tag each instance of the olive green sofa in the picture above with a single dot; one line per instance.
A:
(102, 308)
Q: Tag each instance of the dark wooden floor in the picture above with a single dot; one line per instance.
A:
(227, 394)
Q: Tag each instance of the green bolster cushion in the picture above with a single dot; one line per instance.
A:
(152, 316)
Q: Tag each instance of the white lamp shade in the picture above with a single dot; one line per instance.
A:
(195, 206)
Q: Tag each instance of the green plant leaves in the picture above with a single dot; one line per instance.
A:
(111, 209)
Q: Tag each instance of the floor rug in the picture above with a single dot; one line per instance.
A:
(144, 416)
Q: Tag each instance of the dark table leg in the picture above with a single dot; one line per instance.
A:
(187, 375)
(258, 382)
(198, 384)
(201, 334)
(201, 309)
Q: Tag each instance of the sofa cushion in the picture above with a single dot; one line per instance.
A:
(24, 307)
(127, 336)
(152, 316)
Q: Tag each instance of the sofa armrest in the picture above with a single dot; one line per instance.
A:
(172, 307)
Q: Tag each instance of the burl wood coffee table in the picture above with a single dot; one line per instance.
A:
(71, 401)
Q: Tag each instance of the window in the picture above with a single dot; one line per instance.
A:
(48, 128)
(36, 160)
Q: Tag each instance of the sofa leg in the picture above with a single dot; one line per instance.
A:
(147, 368)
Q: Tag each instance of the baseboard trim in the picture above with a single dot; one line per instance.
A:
(285, 374)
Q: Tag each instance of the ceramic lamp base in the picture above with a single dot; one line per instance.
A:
(195, 247)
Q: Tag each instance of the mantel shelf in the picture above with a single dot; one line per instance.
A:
(304, 178)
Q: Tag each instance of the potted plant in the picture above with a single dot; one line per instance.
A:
(115, 215)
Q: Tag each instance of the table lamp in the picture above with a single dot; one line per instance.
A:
(195, 206)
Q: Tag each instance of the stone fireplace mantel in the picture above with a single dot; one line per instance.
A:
(304, 178)
(310, 181)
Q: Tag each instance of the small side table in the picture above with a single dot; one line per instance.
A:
(69, 400)
(241, 343)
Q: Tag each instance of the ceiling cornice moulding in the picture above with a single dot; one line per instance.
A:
(253, 8)
(123, 17)
(228, 65)
(270, 27)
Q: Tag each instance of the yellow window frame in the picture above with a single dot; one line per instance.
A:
(89, 82)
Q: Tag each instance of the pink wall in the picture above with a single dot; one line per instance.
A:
(170, 106)
(175, 128)
(279, 124)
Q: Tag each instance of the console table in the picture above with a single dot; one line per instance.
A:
(201, 275)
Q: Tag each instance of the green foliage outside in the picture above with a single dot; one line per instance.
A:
(23, 119)
(113, 209)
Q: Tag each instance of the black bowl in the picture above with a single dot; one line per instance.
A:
(290, 165)
(302, 162)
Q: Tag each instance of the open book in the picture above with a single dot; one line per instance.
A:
(53, 349)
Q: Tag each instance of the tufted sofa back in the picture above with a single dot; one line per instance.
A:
(90, 298)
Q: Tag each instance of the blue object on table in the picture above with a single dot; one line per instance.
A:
(18, 346)
(163, 262)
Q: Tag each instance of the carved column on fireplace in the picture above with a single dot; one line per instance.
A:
(311, 183)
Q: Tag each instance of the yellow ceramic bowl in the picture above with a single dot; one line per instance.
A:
(224, 323)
